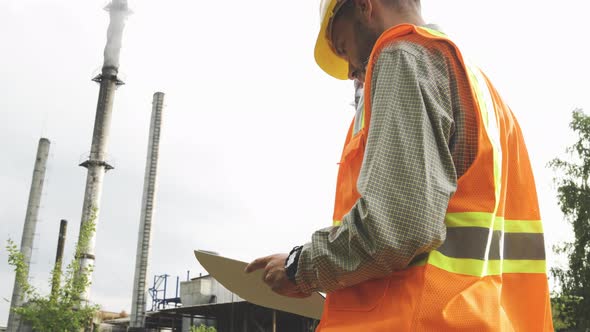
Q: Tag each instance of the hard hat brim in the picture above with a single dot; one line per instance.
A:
(325, 57)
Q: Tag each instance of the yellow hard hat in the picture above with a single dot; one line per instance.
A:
(324, 55)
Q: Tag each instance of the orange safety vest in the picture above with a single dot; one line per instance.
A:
(490, 273)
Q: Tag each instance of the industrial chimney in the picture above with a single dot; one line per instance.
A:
(97, 164)
(26, 243)
(137, 319)
(61, 240)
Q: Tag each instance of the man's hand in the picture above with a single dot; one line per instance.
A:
(275, 276)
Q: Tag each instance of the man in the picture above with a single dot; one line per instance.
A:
(436, 221)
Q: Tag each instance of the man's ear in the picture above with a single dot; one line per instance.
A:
(365, 9)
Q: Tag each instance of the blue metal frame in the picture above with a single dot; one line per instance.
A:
(158, 292)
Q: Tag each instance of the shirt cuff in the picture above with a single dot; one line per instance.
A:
(306, 277)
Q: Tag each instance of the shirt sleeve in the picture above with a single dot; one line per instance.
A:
(406, 180)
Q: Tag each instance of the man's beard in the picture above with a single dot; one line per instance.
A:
(365, 39)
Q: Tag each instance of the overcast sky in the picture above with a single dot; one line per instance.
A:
(252, 130)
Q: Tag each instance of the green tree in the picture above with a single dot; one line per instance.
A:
(572, 301)
(63, 310)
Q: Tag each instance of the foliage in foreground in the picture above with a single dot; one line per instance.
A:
(63, 309)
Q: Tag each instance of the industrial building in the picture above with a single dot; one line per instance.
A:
(203, 300)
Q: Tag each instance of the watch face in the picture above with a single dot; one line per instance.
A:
(291, 259)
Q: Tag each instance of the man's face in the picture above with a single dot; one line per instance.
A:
(353, 41)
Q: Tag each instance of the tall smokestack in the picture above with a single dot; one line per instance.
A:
(63, 227)
(137, 320)
(26, 243)
(96, 163)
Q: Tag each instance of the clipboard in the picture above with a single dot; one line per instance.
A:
(249, 286)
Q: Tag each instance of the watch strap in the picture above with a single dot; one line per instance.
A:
(291, 263)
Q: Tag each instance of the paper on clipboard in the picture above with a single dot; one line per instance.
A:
(249, 286)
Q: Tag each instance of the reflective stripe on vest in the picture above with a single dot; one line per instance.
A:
(480, 244)
(359, 117)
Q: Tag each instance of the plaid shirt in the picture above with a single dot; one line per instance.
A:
(422, 137)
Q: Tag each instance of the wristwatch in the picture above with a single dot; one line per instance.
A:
(291, 263)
